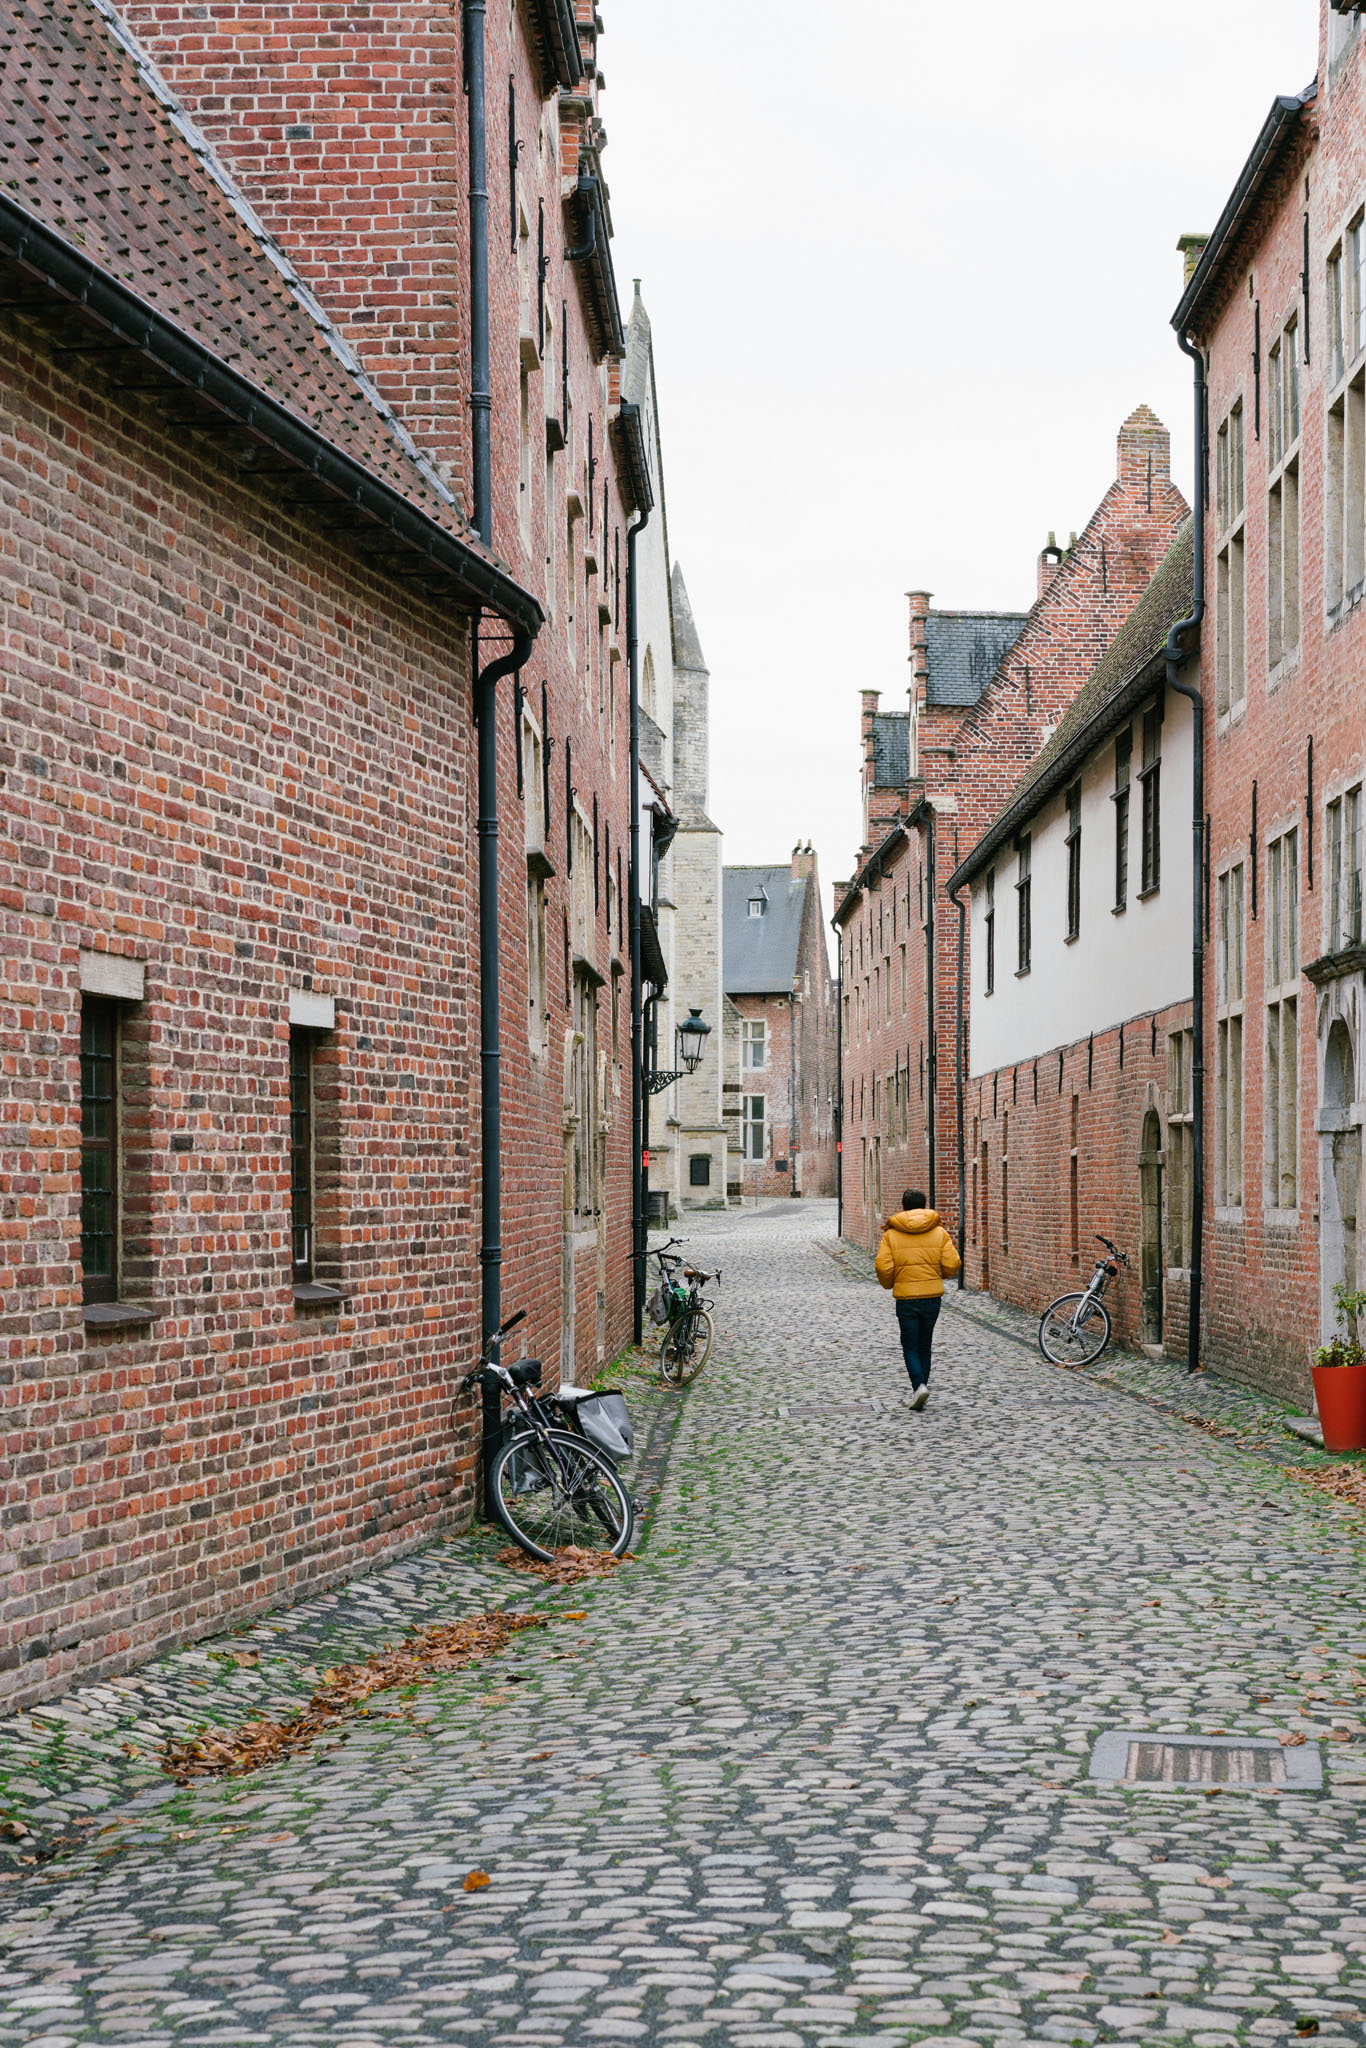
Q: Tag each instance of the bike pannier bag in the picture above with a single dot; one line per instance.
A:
(604, 1420)
(657, 1307)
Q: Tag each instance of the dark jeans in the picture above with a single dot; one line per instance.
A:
(917, 1320)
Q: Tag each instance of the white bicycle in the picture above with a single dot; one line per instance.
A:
(1075, 1329)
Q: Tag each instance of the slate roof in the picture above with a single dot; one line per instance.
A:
(759, 954)
(963, 651)
(96, 148)
(891, 749)
(1125, 675)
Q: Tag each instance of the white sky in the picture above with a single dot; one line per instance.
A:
(909, 265)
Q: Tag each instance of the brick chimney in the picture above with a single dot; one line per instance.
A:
(1051, 558)
(803, 862)
(868, 700)
(919, 601)
(1192, 248)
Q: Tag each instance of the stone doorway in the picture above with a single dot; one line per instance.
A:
(1339, 1172)
(1150, 1164)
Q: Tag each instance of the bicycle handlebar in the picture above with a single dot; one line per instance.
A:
(512, 1322)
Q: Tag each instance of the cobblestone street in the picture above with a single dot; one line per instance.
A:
(815, 1768)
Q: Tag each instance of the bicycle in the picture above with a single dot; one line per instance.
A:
(690, 1332)
(1075, 1329)
(549, 1487)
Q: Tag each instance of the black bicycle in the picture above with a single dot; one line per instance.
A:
(549, 1487)
(1076, 1327)
(679, 1304)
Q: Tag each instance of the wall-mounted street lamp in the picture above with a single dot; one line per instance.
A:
(690, 1038)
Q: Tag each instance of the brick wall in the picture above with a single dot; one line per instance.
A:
(245, 763)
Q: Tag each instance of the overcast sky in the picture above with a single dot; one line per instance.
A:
(909, 266)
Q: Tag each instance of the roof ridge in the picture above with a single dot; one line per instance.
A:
(190, 133)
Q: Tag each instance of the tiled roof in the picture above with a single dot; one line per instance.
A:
(891, 749)
(97, 150)
(1103, 699)
(963, 651)
(759, 954)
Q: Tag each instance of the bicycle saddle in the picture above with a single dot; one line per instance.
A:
(695, 1273)
(526, 1372)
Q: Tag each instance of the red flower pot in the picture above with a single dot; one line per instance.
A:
(1340, 1391)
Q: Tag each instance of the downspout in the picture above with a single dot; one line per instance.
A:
(638, 1167)
(955, 897)
(839, 1088)
(481, 399)
(485, 712)
(1176, 657)
(932, 1086)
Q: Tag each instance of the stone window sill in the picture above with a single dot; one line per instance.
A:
(1144, 894)
(118, 1315)
(315, 1294)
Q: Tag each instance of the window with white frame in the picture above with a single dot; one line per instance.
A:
(1124, 747)
(1344, 483)
(1024, 914)
(1228, 1049)
(1074, 861)
(755, 1127)
(1150, 782)
(753, 1044)
(1343, 842)
(1230, 576)
(990, 980)
(1283, 496)
(1281, 1117)
(1180, 1147)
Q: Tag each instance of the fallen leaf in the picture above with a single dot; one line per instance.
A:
(540, 1756)
(1170, 1940)
(1216, 1884)
(477, 1881)
(579, 1614)
(1292, 1739)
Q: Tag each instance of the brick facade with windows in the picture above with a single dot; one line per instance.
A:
(987, 689)
(1285, 730)
(239, 798)
(779, 1037)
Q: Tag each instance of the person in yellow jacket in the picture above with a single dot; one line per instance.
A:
(915, 1254)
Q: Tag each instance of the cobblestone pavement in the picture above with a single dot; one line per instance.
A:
(815, 1768)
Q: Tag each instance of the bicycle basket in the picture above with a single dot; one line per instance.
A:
(657, 1307)
(607, 1425)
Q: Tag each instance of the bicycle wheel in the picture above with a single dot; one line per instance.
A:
(686, 1348)
(1066, 1338)
(555, 1490)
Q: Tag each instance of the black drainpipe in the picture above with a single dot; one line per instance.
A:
(955, 896)
(485, 712)
(1176, 657)
(639, 1170)
(931, 966)
(839, 1088)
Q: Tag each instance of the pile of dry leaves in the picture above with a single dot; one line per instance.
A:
(1344, 1482)
(231, 1753)
(567, 1566)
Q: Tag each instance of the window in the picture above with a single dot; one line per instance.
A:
(991, 930)
(1005, 1182)
(1283, 497)
(1230, 618)
(1344, 871)
(905, 983)
(1150, 776)
(583, 1090)
(1074, 1184)
(99, 1149)
(1281, 1120)
(301, 1164)
(754, 1127)
(550, 563)
(758, 903)
(753, 1043)
(1074, 861)
(1228, 1066)
(1180, 1147)
(699, 1170)
(1344, 506)
(525, 452)
(1124, 747)
(1023, 914)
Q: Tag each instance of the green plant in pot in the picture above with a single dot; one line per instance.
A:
(1339, 1373)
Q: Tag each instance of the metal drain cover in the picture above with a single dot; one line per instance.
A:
(1140, 1757)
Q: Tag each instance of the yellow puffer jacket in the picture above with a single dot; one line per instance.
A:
(915, 1254)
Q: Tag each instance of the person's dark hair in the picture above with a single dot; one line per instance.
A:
(913, 1198)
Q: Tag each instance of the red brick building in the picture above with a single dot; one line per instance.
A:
(245, 614)
(1277, 304)
(779, 1032)
(987, 691)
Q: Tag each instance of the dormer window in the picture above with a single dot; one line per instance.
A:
(758, 903)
